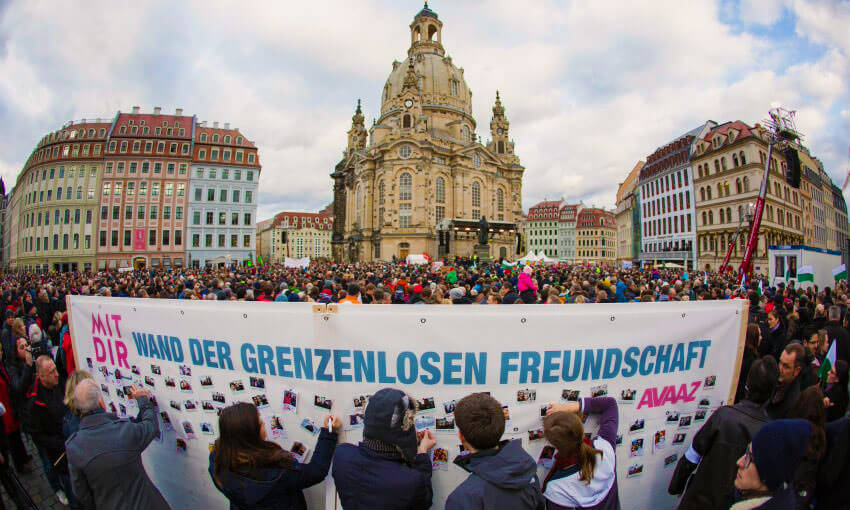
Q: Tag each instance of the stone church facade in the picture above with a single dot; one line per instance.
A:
(418, 181)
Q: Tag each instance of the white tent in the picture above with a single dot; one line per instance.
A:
(302, 262)
(532, 257)
(416, 259)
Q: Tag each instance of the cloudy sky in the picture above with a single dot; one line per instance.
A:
(589, 87)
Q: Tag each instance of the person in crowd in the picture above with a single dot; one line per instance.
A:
(7, 336)
(527, 286)
(837, 333)
(833, 475)
(810, 406)
(502, 474)
(751, 353)
(584, 473)
(706, 472)
(11, 442)
(46, 411)
(814, 347)
(353, 295)
(774, 340)
(790, 366)
(767, 467)
(71, 421)
(105, 453)
(387, 469)
(836, 395)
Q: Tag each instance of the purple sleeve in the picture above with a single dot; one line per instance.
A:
(608, 421)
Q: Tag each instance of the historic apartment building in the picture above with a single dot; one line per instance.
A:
(99, 194)
(627, 217)
(668, 230)
(567, 217)
(542, 224)
(729, 162)
(225, 175)
(420, 179)
(297, 235)
(596, 236)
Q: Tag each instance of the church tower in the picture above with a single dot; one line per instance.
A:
(357, 133)
(499, 134)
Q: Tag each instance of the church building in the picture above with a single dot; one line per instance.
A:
(419, 181)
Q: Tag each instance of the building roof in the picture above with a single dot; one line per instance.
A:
(153, 121)
(222, 132)
(298, 220)
(723, 129)
(629, 184)
(594, 216)
(546, 210)
(427, 12)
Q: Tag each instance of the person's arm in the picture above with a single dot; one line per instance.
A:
(146, 426)
(701, 445)
(424, 492)
(80, 486)
(609, 418)
(317, 469)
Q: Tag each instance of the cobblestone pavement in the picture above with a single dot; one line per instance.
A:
(36, 484)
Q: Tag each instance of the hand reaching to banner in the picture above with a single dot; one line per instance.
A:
(136, 392)
(333, 423)
(427, 442)
(569, 407)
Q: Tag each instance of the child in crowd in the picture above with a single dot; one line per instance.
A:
(503, 475)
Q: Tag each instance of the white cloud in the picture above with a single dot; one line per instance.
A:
(589, 87)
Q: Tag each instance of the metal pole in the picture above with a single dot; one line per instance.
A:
(747, 262)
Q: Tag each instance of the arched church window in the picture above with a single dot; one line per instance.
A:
(453, 85)
(404, 151)
(441, 190)
(358, 205)
(476, 158)
(476, 194)
(405, 186)
(501, 147)
(406, 121)
(381, 190)
(432, 31)
(500, 199)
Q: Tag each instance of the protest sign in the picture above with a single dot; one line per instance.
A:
(669, 365)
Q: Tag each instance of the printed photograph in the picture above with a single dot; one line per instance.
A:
(134, 369)
(637, 425)
(506, 412)
(290, 400)
(104, 389)
(89, 363)
(149, 380)
(217, 396)
(310, 426)
(323, 402)
(543, 410)
(425, 422)
(710, 381)
(679, 438)
(190, 405)
(636, 448)
(619, 439)
(188, 429)
(526, 395)
(426, 404)
(185, 370)
(449, 407)
(700, 415)
(670, 460)
(445, 424)
(547, 455)
(260, 401)
(660, 439)
(165, 419)
(113, 408)
(704, 402)
(684, 422)
(672, 416)
(257, 382)
(122, 410)
(156, 370)
(119, 393)
(104, 371)
(175, 405)
(118, 374)
(206, 381)
(628, 395)
(635, 470)
(360, 401)
(207, 405)
(299, 451)
(599, 391)
(185, 385)
(570, 395)
(207, 428)
(276, 425)
(237, 386)
(169, 382)
(181, 445)
(535, 434)
(440, 459)
(356, 420)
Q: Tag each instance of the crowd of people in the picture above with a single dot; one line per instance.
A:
(783, 443)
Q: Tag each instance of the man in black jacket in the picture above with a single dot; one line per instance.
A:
(790, 365)
(46, 412)
(774, 340)
(721, 441)
(836, 333)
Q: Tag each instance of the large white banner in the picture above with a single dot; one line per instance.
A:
(669, 365)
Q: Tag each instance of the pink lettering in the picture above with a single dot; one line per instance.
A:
(121, 353)
(650, 395)
(669, 395)
(99, 349)
(116, 318)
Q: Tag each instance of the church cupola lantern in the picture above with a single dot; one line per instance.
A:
(426, 33)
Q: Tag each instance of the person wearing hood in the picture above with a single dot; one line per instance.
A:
(458, 296)
(722, 439)
(767, 467)
(387, 470)
(526, 286)
(416, 296)
(584, 473)
(257, 474)
(503, 475)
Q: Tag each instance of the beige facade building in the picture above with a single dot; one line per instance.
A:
(626, 216)
(419, 180)
(295, 235)
(728, 169)
(596, 236)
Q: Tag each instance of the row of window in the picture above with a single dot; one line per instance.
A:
(668, 225)
(738, 159)
(668, 204)
(145, 167)
(136, 147)
(140, 212)
(71, 169)
(41, 244)
(76, 150)
(235, 195)
(35, 219)
(669, 182)
(210, 216)
(212, 173)
(69, 193)
(152, 238)
(117, 188)
(208, 241)
(677, 245)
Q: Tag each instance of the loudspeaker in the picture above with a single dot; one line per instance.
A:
(792, 159)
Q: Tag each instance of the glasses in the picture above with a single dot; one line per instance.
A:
(747, 458)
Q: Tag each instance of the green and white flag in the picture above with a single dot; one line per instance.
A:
(806, 274)
(840, 273)
(828, 362)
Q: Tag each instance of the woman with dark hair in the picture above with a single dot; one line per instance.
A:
(810, 407)
(257, 474)
(751, 353)
(835, 395)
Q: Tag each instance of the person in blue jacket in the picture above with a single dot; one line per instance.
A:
(257, 474)
(387, 470)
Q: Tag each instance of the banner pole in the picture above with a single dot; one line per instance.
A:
(73, 336)
(742, 338)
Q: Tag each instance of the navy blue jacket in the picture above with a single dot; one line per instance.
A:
(366, 481)
(277, 487)
(504, 477)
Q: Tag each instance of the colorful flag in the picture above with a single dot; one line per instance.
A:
(806, 274)
(828, 362)
(761, 287)
(840, 273)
